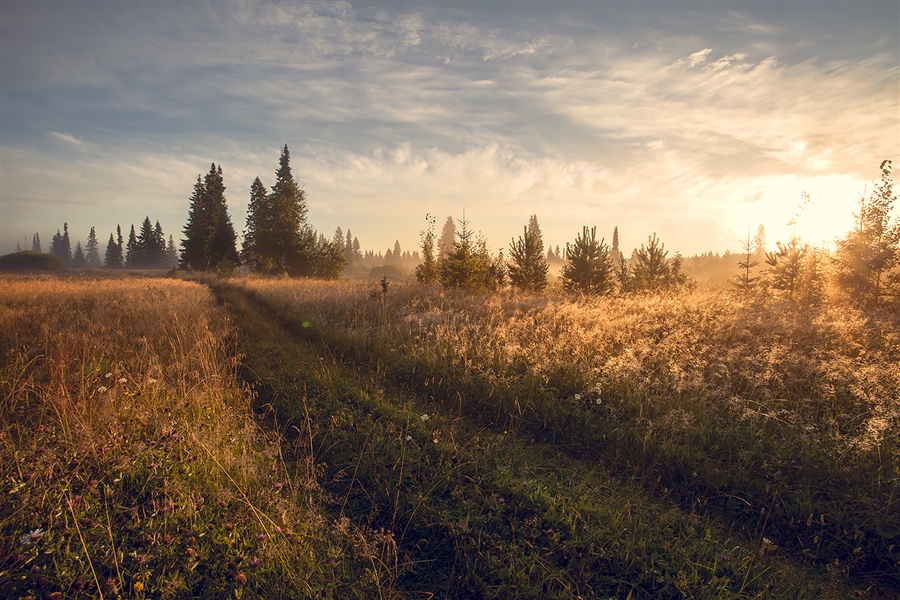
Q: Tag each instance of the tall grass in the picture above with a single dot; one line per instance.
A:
(131, 462)
(782, 422)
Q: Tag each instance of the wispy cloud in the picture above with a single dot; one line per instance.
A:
(683, 122)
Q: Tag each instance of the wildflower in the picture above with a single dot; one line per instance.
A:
(151, 466)
(274, 469)
(408, 438)
(190, 552)
(502, 500)
(255, 562)
(425, 417)
(279, 485)
(32, 536)
(261, 537)
(138, 586)
(123, 380)
(241, 578)
(724, 557)
(101, 389)
(108, 375)
(277, 529)
(151, 381)
(577, 397)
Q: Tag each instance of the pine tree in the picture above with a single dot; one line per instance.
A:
(18, 247)
(448, 237)
(786, 266)
(329, 261)
(36, 243)
(760, 244)
(745, 283)
(132, 252)
(210, 239)
(277, 237)
(197, 231)
(66, 245)
(223, 244)
(78, 259)
(615, 254)
(468, 263)
(114, 251)
(171, 254)
(110, 261)
(93, 250)
(528, 268)
(160, 256)
(872, 248)
(589, 269)
(144, 253)
(293, 250)
(338, 238)
(427, 271)
(59, 246)
(348, 248)
(651, 270)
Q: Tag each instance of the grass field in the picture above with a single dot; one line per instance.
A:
(279, 438)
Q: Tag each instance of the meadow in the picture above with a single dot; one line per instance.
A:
(253, 437)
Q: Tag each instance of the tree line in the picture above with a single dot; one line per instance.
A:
(864, 265)
(147, 249)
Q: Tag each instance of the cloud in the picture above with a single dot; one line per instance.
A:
(67, 138)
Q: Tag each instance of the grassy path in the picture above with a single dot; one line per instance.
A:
(475, 506)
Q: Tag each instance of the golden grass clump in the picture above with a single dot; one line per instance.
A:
(130, 460)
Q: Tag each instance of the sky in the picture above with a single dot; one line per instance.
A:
(691, 120)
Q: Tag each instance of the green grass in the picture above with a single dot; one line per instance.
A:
(487, 498)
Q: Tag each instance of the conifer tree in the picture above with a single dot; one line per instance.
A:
(132, 253)
(528, 268)
(745, 283)
(36, 243)
(160, 256)
(110, 259)
(171, 254)
(144, 253)
(872, 248)
(114, 251)
(468, 263)
(615, 254)
(93, 250)
(652, 271)
(277, 237)
(66, 245)
(589, 269)
(292, 238)
(210, 239)
(78, 259)
(427, 271)
(787, 267)
(448, 237)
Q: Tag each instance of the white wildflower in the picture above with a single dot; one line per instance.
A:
(425, 417)
(32, 536)
(123, 380)
(101, 389)
(409, 438)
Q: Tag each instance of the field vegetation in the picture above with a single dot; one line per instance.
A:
(768, 428)
(132, 464)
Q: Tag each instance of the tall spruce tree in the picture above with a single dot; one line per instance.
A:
(528, 267)
(171, 254)
(277, 238)
(209, 236)
(786, 267)
(66, 245)
(132, 252)
(114, 252)
(589, 269)
(448, 237)
(93, 250)
(36, 243)
(745, 282)
(78, 259)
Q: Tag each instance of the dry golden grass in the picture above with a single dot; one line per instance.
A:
(130, 457)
